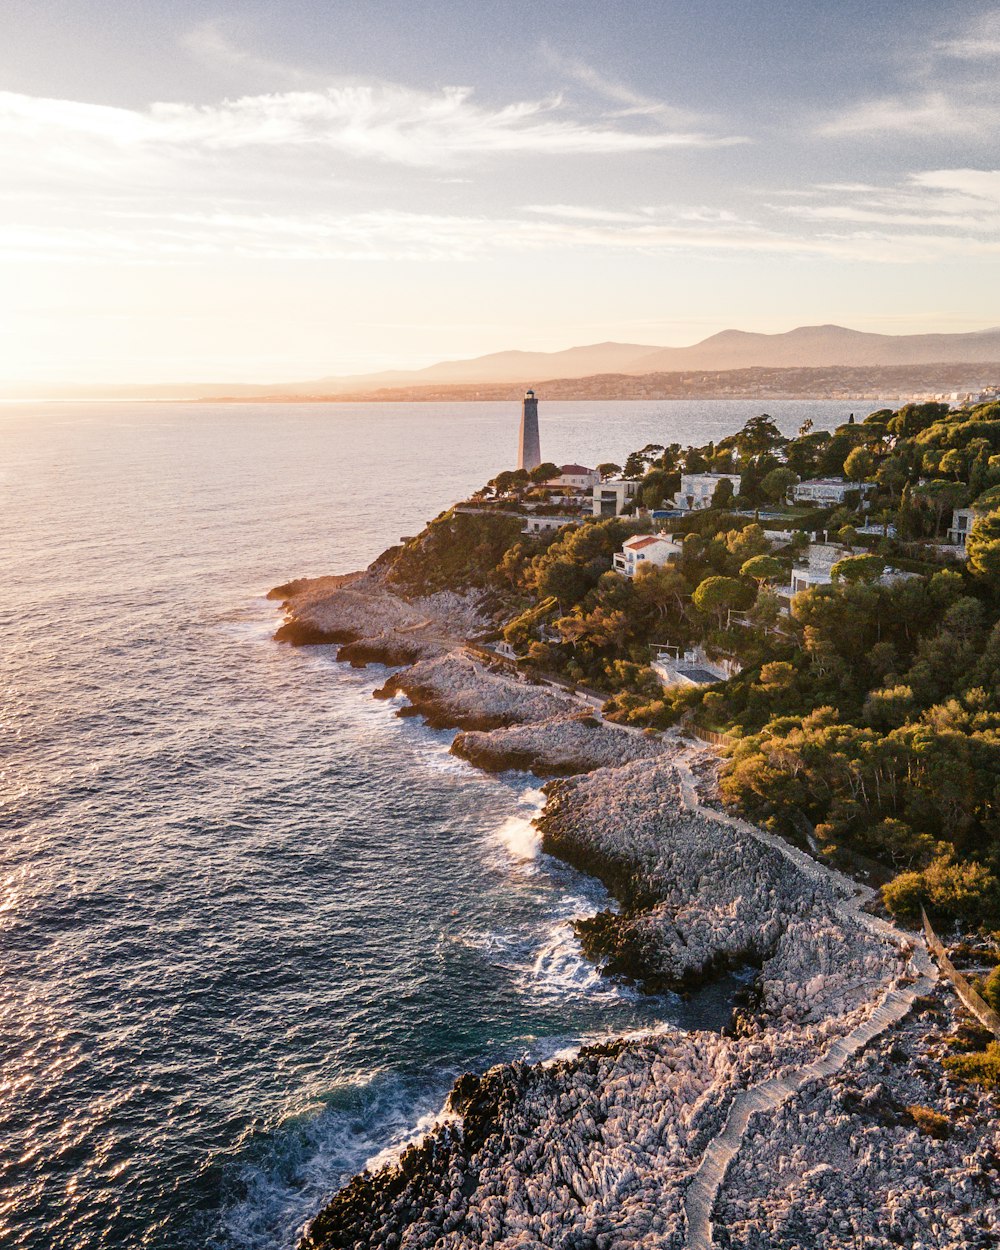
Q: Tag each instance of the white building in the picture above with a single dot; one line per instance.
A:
(818, 571)
(645, 549)
(611, 497)
(828, 492)
(962, 520)
(697, 489)
(576, 477)
(546, 524)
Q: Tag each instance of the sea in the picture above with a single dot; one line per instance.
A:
(252, 924)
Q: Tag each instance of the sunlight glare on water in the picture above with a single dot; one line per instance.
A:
(251, 924)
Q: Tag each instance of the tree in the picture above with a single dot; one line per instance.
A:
(859, 464)
(694, 461)
(655, 486)
(608, 469)
(717, 595)
(912, 418)
(953, 462)
(983, 547)
(858, 569)
(941, 496)
(635, 465)
(847, 535)
(778, 483)
(759, 435)
(546, 472)
(722, 496)
(761, 569)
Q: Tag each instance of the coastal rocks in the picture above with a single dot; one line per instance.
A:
(457, 690)
(698, 896)
(573, 742)
(848, 1163)
(583, 1153)
(371, 623)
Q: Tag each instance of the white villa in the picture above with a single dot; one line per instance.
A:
(575, 477)
(962, 520)
(651, 549)
(819, 561)
(611, 497)
(697, 489)
(828, 492)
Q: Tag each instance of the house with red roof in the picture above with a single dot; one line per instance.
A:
(645, 550)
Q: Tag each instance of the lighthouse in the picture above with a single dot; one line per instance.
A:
(529, 454)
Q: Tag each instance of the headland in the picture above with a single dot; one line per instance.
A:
(839, 1108)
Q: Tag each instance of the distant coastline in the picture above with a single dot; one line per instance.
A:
(849, 383)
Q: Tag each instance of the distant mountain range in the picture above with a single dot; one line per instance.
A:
(807, 347)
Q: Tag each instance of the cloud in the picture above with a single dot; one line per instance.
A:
(922, 113)
(979, 42)
(179, 237)
(947, 89)
(964, 200)
(207, 43)
(380, 122)
(633, 103)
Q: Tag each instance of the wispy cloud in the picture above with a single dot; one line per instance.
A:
(151, 238)
(965, 201)
(919, 113)
(980, 41)
(380, 122)
(631, 103)
(208, 43)
(947, 88)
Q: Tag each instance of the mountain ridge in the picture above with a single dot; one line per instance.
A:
(804, 347)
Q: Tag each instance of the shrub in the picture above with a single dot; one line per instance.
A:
(980, 1068)
(991, 989)
(929, 1122)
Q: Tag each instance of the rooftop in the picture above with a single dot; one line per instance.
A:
(644, 540)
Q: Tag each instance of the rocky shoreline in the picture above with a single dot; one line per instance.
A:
(606, 1150)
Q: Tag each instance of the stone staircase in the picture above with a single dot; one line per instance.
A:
(767, 1096)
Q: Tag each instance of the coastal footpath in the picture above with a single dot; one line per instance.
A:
(821, 1118)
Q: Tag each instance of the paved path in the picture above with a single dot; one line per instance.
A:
(703, 1190)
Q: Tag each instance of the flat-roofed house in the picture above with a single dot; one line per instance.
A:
(612, 497)
(828, 492)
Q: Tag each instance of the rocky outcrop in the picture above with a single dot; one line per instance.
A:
(373, 623)
(459, 691)
(856, 1160)
(574, 742)
(697, 896)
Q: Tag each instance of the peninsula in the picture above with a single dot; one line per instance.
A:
(762, 677)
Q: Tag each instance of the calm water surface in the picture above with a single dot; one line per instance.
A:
(251, 924)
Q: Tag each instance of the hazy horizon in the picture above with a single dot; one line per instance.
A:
(244, 194)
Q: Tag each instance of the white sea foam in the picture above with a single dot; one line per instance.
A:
(314, 1154)
(520, 837)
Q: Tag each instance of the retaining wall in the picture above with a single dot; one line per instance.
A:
(972, 1000)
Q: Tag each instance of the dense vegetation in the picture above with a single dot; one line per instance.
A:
(866, 718)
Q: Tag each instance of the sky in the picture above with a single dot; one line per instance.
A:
(253, 191)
